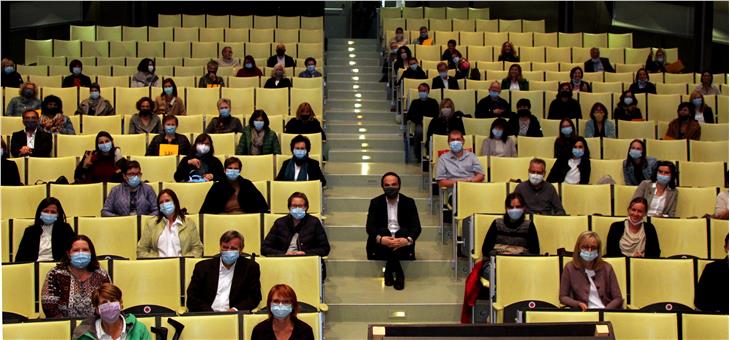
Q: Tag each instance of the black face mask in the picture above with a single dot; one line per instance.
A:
(51, 111)
(566, 94)
(280, 52)
(30, 124)
(145, 112)
(391, 192)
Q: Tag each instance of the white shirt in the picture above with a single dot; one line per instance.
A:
(30, 138)
(168, 245)
(101, 335)
(699, 117)
(656, 206)
(514, 86)
(298, 168)
(446, 82)
(594, 301)
(225, 278)
(281, 60)
(393, 214)
(45, 251)
(573, 175)
(293, 246)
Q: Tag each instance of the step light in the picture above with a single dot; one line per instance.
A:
(352, 55)
(355, 87)
(366, 158)
(355, 70)
(358, 95)
(350, 42)
(362, 130)
(350, 49)
(365, 145)
(397, 314)
(357, 105)
(355, 78)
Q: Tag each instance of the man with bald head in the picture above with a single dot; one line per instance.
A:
(280, 57)
(596, 63)
(493, 106)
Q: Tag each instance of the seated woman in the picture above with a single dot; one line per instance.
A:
(305, 122)
(278, 78)
(226, 59)
(573, 169)
(145, 76)
(145, 121)
(211, 78)
(702, 112)
(658, 63)
(633, 237)
(110, 323)
(282, 322)
(588, 282)
(132, 197)
(660, 192)
(449, 54)
(249, 68)
(705, 87)
(26, 100)
(563, 146)
(8, 169)
(52, 118)
(69, 286)
(169, 142)
(76, 79)
(499, 144)
(637, 165)
(564, 105)
(297, 233)
(96, 105)
(257, 138)
(224, 123)
(49, 236)
(10, 75)
(576, 80)
(235, 195)
(508, 53)
(414, 71)
(600, 125)
(513, 233)
(684, 126)
(514, 80)
(447, 120)
(300, 167)
(524, 123)
(201, 164)
(168, 102)
(627, 108)
(101, 165)
(171, 234)
(642, 83)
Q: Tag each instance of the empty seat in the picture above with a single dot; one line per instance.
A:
(136, 276)
(302, 273)
(115, 236)
(659, 281)
(635, 326)
(18, 290)
(682, 236)
(515, 281)
(555, 232)
(191, 195)
(21, 201)
(80, 199)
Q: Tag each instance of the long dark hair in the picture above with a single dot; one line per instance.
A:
(508, 204)
(642, 161)
(45, 203)
(499, 123)
(595, 107)
(66, 260)
(107, 135)
(174, 87)
(586, 150)
(144, 63)
(200, 139)
(257, 114)
(179, 212)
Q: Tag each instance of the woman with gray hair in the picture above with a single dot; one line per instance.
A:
(278, 78)
(224, 123)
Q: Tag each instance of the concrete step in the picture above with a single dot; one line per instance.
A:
(362, 67)
(359, 155)
(372, 168)
(360, 204)
(428, 246)
(369, 271)
(377, 94)
(355, 103)
(362, 127)
(344, 115)
(343, 59)
(354, 76)
(341, 221)
(349, 84)
(371, 190)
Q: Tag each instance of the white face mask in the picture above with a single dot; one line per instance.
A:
(202, 148)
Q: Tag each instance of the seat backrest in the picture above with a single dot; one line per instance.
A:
(18, 289)
(474, 198)
(281, 190)
(560, 316)
(555, 232)
(516, 279)
(191, 195)
(49, 169)
(20, 201)
(481, 223)
(249, 225)
(661, 280)
(37, 330)
(157, 168)
(136, 276)
(699, 326)
(224, 326)
(111, 235)
(682, 236)
(643, 325)
(695, 202)
(80, 199)
(302, 273)
(718, 230)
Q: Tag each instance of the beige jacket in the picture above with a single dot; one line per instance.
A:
(190, 244)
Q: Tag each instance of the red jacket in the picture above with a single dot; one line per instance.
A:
(471, 292)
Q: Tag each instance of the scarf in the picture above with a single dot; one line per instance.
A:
(290, 169)
(257, 141)
(631, 243)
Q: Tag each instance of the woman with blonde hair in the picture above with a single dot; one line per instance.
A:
(26, 100)
(224, 123)
(305, 122)
(702, 112)
(278, 78)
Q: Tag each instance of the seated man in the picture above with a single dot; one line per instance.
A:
(420, 107)
(524, 123)
(132, 197)
(423, 39)
(31, 141)
(235, 195)
(297, 233)
(226, 282)
(596, 63)
(711, 292)
(458, 164)
(444, 80)
(540, 196)
(311, 71)
(280, 57)
(493, 106)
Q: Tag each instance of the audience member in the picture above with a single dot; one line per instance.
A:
(111, 323)
(514, 80)
(599, 125)
(249, 68)
(512, 234)
(311, 69)
(658, 63)
(31, 141)
(493, 106)
(68, 287)
(95, 105)
(257, 137)
(721, 205)
(705, 87)
(574, 168)
(447, 121)
(52, 118)
(131, 198)
(8, 169)
(399, 38)
(711, 292)
(596, 63)
(423, 106)
(463, 67)
(304, 122)
(627, 108)
(563, 147)
(450, 52)
(27, 100)
(49, 237)
(499, 144)
(76, 78)
(660, 192)
(224, 123)
(201, 164)
(524, 123)
(414, 71)
(508, 53)
(637, 165)
(171, 233)
(564, 106)
(393, 227)
(211, 79)
(145, 121)
(235, 194)
(280, 58)
(423, 38)
(278, 78)
(684, 126)
(168, 103)
(404, 55)
(589, 282)
(169, 142)
(103, 164)
(389, 59)
(228, 282)
(633, 237)
(282, 322)
(297, 233)
(576, 81)
(642, 83)
(444, 80)
(301, 167)
(145, 76)
(458, 165)
(702, 112)
(226, 59)
(10, 77)
(540, 196)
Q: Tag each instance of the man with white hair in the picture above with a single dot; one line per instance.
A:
(280, 57)
(493, 106)
(596, 63)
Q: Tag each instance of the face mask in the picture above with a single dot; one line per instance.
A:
(456, 146)
(635, 153)
(299, 153)
(94, 95)
(566, 94)
(170, 129)
(697, 102)
(404, 56)
(280, 310)
(248, 65)
(9, 69)
(167, 208)
(497, 133)
(398, 36)
(134, 181)
(424, 35)
(642, 82)
(391, 192)
(145, 112)
(578, 153)
(394, 50)
(30, 124)
(48, 218)
(258, 124)
(297, 213)
(566, 131)
(423, 95)
(494, 94)
(628, 100)
(576, 81)
(414, 67)
(311, 68)
(446, 112)
(663, 179)
(660, 60)
(588, 256)
(105, 147)
(225, 112)
(202, 148)
(232, 174)
(515, 213)
(535, 179)
(76, 70)
(635, 222)
(443, 74)
(109, 311)
(151, 68)
(456, 60)
(28, 93)
(168, 90)
(279, 73)
(280, 52)
(80, 260)
(229, 257)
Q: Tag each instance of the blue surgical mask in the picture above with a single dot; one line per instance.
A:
(414, 67)
(456, 146)
(299, 153)
(134, 181)
(105, 147)
(494, 94)
(167, 208)
(642, 82)
(248, 65)
(635, 153)
(423, 95)
(515, 213)
(229, 257)
(578, 153)
(566, 131)
(94, 95)
(281, 310)
(80, 260)
(663, 179)
(297, 213)
(48, 218)
(311, 68)
(443, 74)
(497, 133)
(628, 100)
(9, 69)
(456, 60)
(170, 129)
(258, 124)
(76, 70)
(168, 90)
(697, 102)
(588, 256)
(225, 112)
(232, 174)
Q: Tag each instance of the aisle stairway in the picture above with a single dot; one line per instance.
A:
(364, 142)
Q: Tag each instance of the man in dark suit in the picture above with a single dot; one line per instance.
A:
(443, 79)
(596, 63)
(280, 57)
(227, 282)
(393, 227)
(711, 292)
(31, 141)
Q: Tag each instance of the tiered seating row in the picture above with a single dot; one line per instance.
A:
(239, 21)
(420, 12)
(486, 34)
(151, 33)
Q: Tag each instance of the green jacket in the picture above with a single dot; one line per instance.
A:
(190, 244)
(270, 144)
(135, 330)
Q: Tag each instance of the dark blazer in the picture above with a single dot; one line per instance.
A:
(299, 126)
(711, 292)
(265, 331)
(249, 198)
(245, 288)
(561, 168)
(284, 82)
(273, 60)
(588, 66)
(560, 109)
(533, 130)
(182, 142)
(69, 80)
(411, 74)
(43, 143)
(651, 250)
(215, 167)
(9, 173)
(436, 83)
(524, 84)
(509, 57)
(312, 238)
(313, 170)
(377, 224)
(61, 236)
(649, 88)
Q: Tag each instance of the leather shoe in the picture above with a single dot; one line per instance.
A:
(388, 276)
(400, 282)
